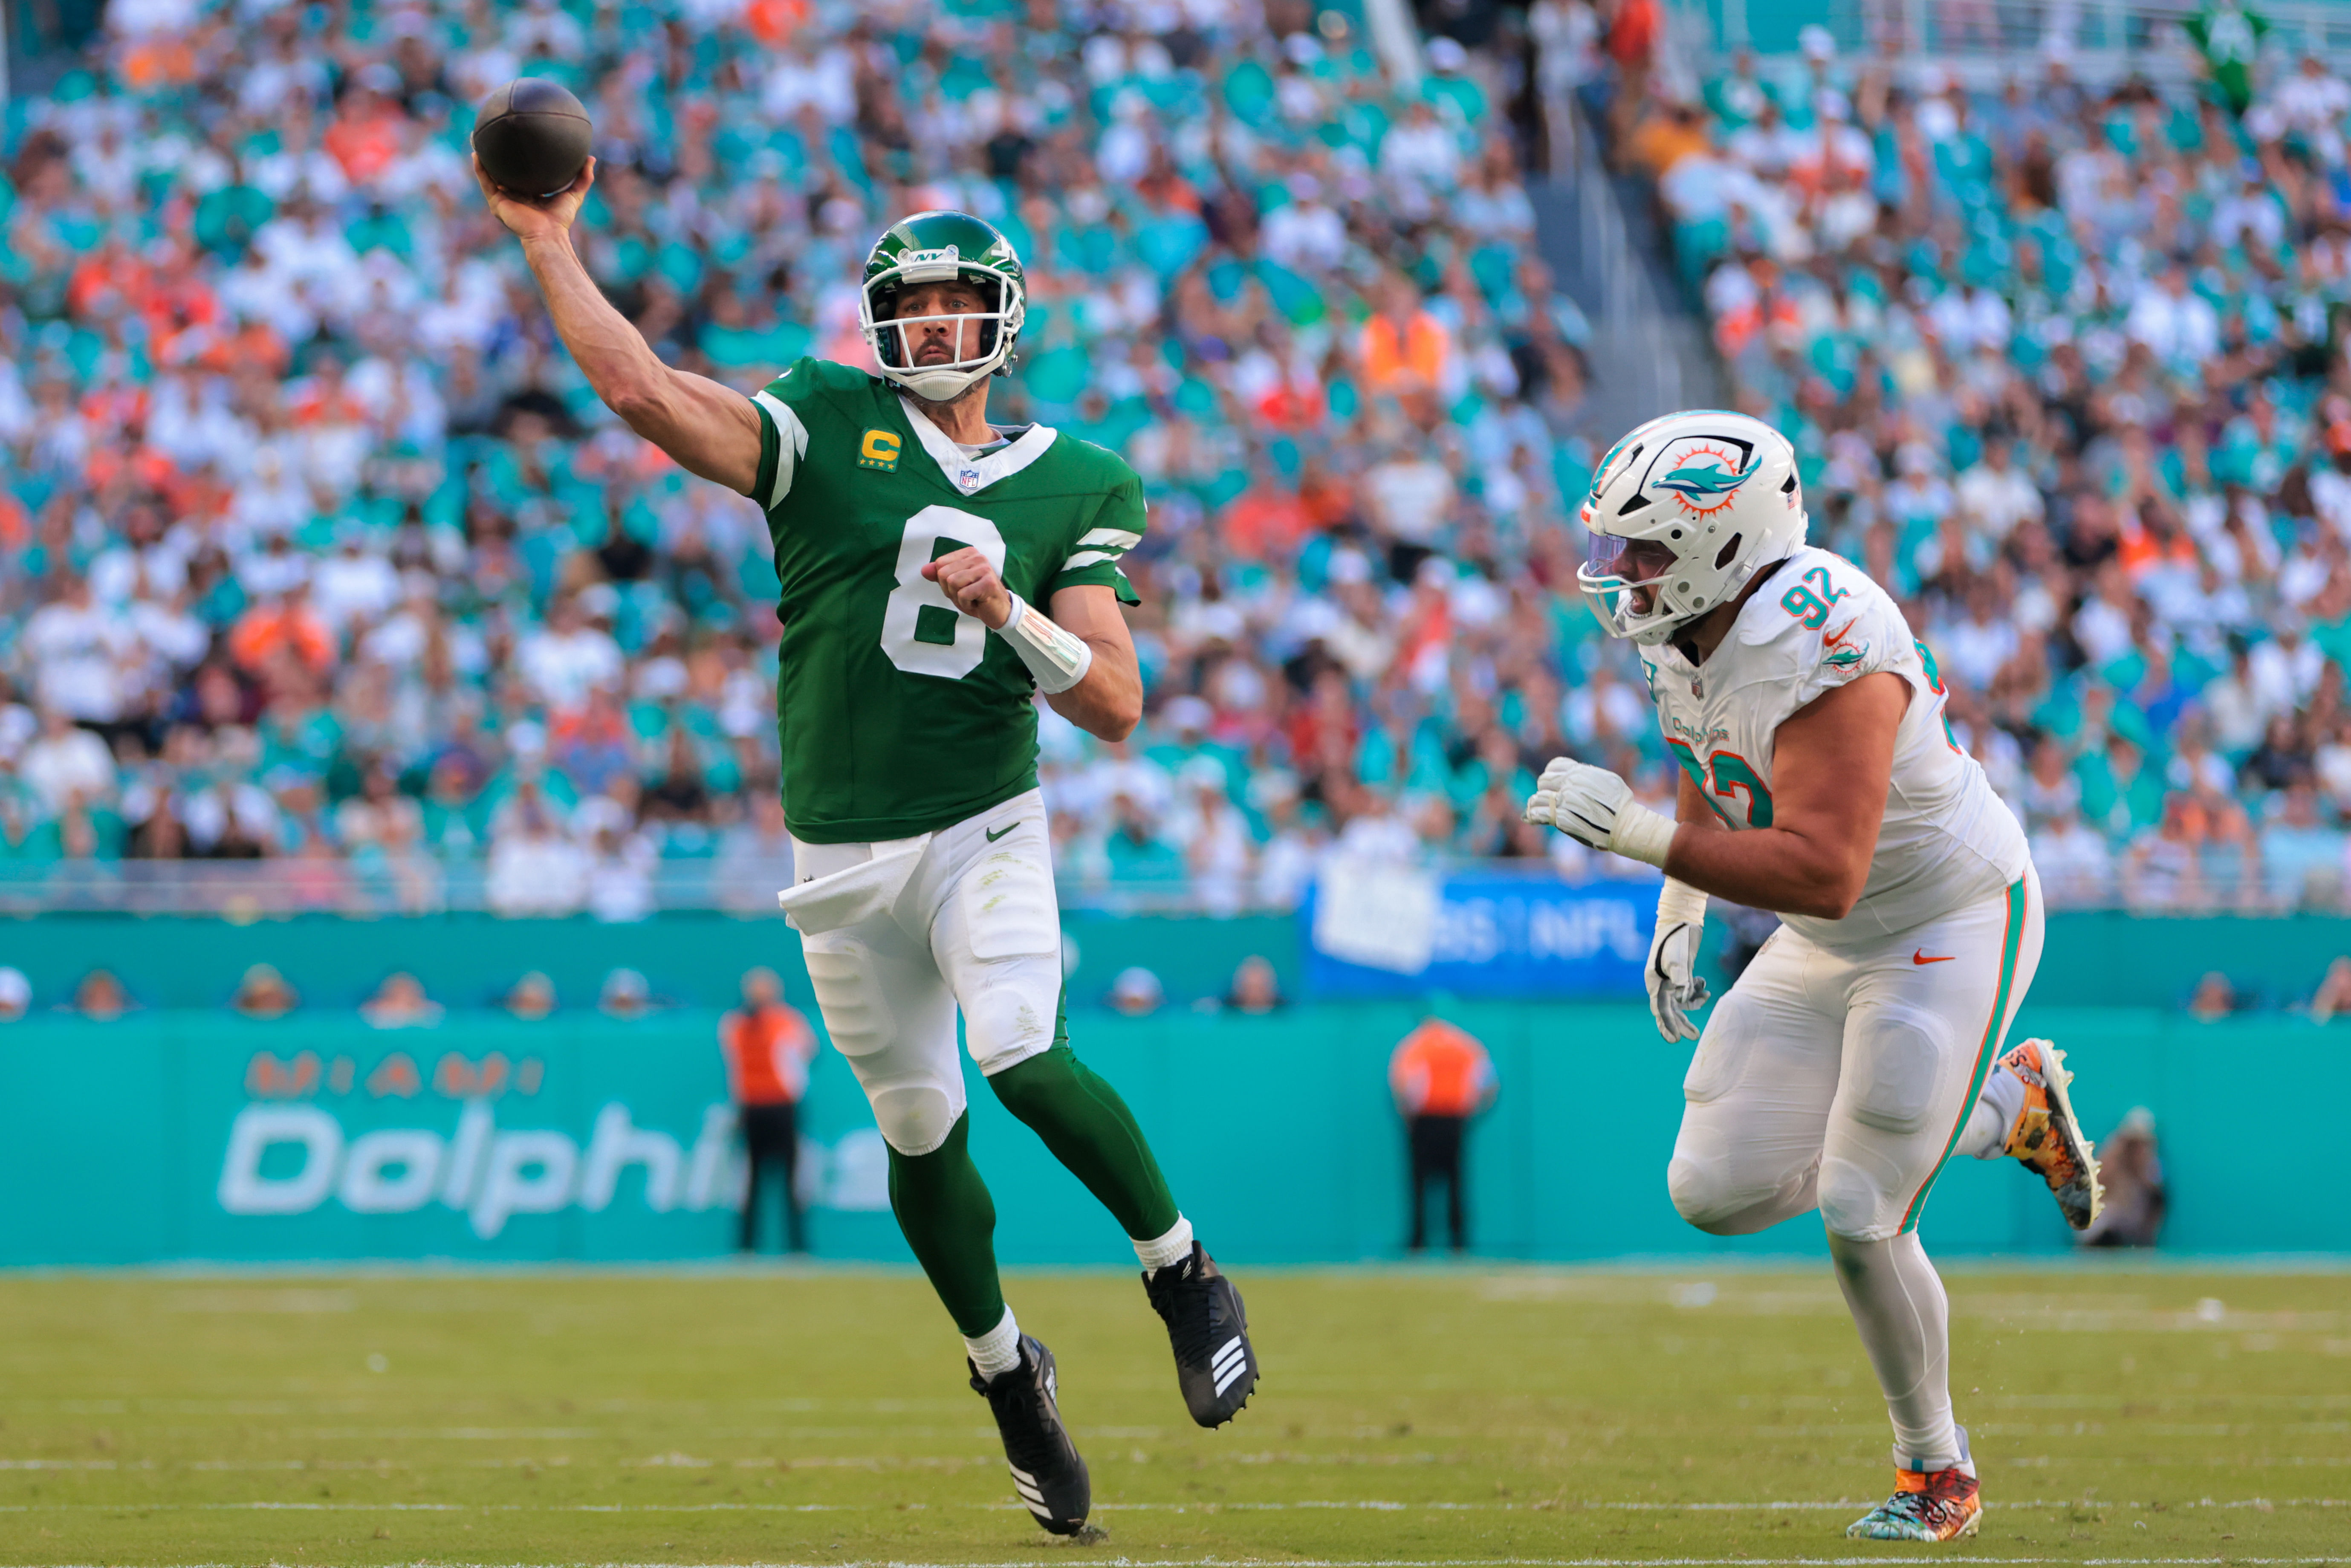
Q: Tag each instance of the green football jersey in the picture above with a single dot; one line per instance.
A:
(897, 713)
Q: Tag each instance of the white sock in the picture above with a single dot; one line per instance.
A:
(1995, 1113)
(1897, 1304)
(1172, 1248)
(998, 1349)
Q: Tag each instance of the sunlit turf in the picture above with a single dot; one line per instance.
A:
(822, 1417)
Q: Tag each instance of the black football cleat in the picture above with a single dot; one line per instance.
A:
(1046, 1471)
(1214, 1364)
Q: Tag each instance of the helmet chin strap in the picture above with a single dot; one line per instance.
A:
(938, 386)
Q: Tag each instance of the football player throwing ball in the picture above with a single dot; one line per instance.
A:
(938, 570)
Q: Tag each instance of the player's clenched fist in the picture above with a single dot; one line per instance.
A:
(972, 586)
(1594, 806)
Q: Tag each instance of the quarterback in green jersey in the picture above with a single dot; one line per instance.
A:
(938, 570)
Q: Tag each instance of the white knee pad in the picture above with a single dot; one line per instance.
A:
(914, 1118)
(1856, 1203)
(903, 1055)
(1706, 1196)
(1008, 1010)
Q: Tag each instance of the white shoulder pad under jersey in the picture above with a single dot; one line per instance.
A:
(1818, 624)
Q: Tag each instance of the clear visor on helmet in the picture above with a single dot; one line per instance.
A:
(1620, 562)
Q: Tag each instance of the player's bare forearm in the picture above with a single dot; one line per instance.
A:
(1108, 703)
(709, 429)
(1107, 700)
(1831, 764)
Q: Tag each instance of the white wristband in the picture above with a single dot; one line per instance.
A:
(1058, 659)
(1642, 834)
(1678, 903)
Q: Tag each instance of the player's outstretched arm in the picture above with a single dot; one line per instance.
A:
(709, 429)
(1081, 653)
(1831, 763)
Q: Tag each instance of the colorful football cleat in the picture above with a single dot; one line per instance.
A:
(1927, 1505)
(2047, 1135)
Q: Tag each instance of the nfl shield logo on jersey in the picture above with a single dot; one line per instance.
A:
(968, 478)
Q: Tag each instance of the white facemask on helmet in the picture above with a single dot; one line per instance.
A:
(1686, 509)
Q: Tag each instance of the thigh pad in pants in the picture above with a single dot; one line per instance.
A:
(998, 939)
(890, 1012)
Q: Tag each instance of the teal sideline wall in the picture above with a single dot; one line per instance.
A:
(2091, 959)
(1276, 1132)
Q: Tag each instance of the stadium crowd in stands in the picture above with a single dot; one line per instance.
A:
(2065, 368)
(316, 550)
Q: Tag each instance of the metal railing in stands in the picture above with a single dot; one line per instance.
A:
(2166, 879)
(2103, 38)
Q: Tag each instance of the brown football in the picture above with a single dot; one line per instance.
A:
(532, 137)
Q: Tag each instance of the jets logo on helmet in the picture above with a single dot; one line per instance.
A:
(1683, 513)
(943, 247)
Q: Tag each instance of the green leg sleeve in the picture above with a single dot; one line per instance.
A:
(950, 1222)
(1090, 1131)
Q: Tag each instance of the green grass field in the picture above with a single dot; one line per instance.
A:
(820, 1416)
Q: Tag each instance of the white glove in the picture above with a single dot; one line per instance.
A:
(1674, 991)
(1594, 806)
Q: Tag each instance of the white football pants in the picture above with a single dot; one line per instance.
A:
(1841, 1079)
(964, 918)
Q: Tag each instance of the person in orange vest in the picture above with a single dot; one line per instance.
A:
(767, 1047)
(1441, 1077)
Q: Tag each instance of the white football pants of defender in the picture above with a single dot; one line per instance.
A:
(1841, 1079)
(899, 934)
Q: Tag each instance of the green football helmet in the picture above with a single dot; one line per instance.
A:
(935, 248)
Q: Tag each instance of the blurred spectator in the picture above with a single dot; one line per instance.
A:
(16, 994)
(1255, 989)
(401, 1003)
(317, 557)
(2213, 998)
(2332, 997)
(2130, 1175)
(100, 998)
(2136, 582)
(263, 993)
(625, 995)
(530, 998)
(1441, 1077)
(1136, 992)
(767, 1047)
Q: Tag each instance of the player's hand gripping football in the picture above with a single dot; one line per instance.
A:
(971, 585)
(539, 219)
(1594, 806)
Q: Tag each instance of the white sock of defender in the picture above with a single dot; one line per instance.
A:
(1172, 1248)
(1996, 1110)
(998, 1349)
(1897, 1304)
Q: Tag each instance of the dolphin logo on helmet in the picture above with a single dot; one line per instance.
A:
(1684, 512)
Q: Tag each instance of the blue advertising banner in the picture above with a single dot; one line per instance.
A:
(1401, 932)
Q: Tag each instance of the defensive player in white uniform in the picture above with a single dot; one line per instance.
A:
(1861, 1049)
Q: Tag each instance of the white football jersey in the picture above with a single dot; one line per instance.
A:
(1819, 622)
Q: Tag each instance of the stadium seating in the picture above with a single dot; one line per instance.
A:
(326, 583)
(2064, 366)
